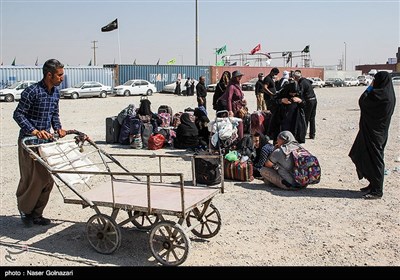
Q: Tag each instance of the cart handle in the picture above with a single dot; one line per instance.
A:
(79, 138)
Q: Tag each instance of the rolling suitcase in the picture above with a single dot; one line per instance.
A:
(165, 109)
(112, 130)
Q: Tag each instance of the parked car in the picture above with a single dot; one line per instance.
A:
(211, 87)
(14, 91)
(170, 88)
(364, 80)
(316, 82)
(348, 82)
(250, 85)
(135, 87)
(86, 89)
(396, 81)
(334, 82)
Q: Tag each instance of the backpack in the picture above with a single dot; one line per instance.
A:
(306, 168)
(166, 119)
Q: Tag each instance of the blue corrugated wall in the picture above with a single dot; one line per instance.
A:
(73, 75)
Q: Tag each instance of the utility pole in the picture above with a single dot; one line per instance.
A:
(344, 56)
(197, 36)
(94, 51)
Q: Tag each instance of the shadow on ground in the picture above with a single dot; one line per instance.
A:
(67, 240)
(310, 191)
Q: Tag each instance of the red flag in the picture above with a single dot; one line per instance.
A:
(256, 49)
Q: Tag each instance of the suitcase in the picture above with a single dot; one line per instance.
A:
(112, 130)
(238, 171)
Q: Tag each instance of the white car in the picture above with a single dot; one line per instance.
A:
(14, 91)
(86, 89)
(317, 82)
(348, 82)
(170, 88)
(364, 80)
(211, 87)
(396, 81)
(135, 87)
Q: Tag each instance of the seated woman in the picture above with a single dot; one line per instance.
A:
(263, 149)
(278, 168)
(187, 134)
(146, 115)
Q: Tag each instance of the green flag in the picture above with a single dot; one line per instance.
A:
(220, 63)
(306, 49)
(221, 50)
(13, 63)
(172, 61)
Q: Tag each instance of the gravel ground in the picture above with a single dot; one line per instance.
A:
(328, 224)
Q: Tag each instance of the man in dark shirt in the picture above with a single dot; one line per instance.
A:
(259, 90)
(270, 90)
(37, 112)
(310, 109)
(201, 92)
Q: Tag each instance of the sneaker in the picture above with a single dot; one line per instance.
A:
(27, 219)
(41, 221)
(372, 196)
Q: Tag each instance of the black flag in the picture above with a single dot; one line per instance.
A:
(306, 49)
(111, 26)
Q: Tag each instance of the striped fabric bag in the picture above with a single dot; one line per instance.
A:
(238, 171)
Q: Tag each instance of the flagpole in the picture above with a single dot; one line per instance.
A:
(119, 48)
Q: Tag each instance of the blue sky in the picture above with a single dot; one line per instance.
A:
(165, 29)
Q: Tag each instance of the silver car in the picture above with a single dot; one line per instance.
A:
(86, 89)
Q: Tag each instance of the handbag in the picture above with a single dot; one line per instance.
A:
(242, 112)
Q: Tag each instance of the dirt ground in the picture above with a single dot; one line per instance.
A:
(328, 224)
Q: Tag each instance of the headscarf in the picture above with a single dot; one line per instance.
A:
(187, 127)
(289, 142)
(377, 105)
(225, 77)
(144, 109)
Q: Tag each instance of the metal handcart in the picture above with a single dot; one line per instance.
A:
(91, 177)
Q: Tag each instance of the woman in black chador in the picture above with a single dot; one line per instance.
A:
(289, 114)
(221, 87)
(377, 105)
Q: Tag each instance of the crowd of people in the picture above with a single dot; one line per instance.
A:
(290, 100)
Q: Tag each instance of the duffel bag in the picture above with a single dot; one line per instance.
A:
(238, 171)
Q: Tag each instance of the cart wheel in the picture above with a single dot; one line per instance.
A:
(210, 224)
(169, 243)
(103, 234)
(142, 220)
